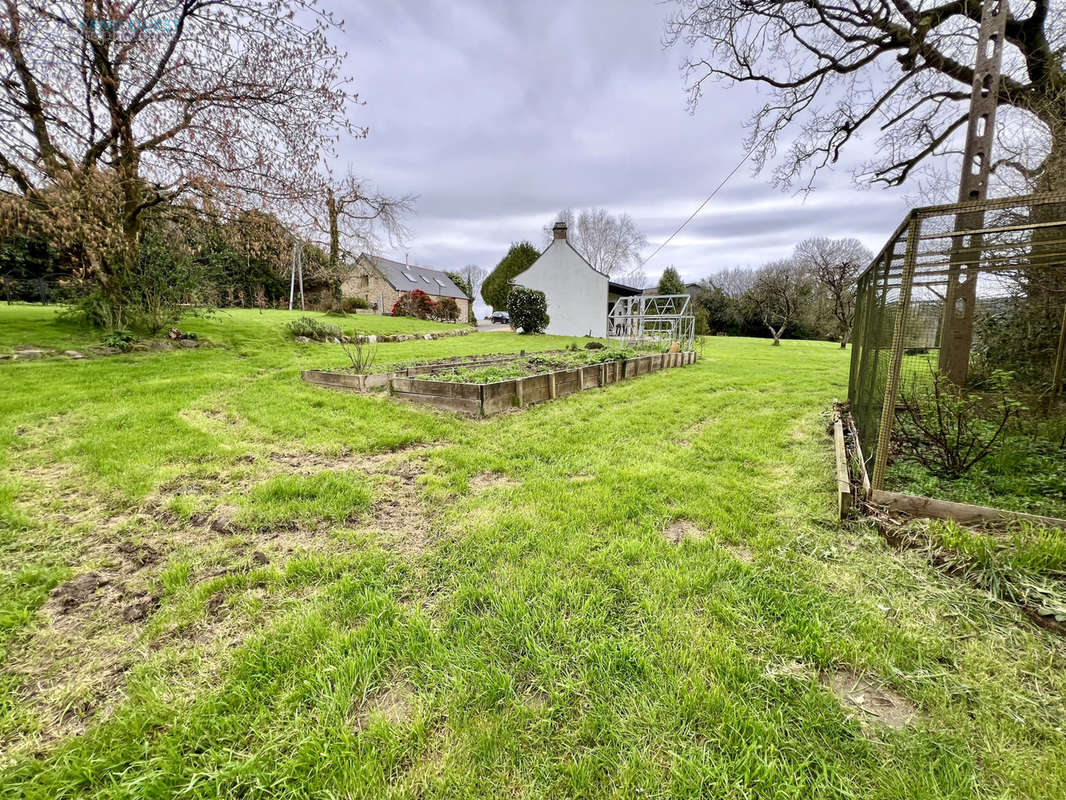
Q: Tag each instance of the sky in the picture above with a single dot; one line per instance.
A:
(497, 114)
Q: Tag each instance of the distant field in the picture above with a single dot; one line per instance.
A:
(25, 324)
(218, 581)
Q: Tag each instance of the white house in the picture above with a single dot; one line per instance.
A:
(578, 295)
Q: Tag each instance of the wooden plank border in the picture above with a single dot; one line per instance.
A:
(964, 513)
(487, 399)
(845, 499)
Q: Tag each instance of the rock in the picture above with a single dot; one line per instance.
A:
(4, 356)
(428, 337)
(110, 351)
(140, 608)
(73, 593)
(28, 352)
(174, 333)
(302, 339)
(73, 354)
(594, 346)
(259, 558)
(163, 344)
(371, 339)
(188, 343)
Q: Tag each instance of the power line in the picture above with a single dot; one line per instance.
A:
(699, 208)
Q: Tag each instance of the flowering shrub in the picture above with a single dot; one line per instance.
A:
(415, 304)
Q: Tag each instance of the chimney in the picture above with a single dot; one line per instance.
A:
(559, 230)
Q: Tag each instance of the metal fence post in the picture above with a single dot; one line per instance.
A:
(888, 409)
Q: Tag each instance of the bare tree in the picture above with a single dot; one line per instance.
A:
(778, 294)
(835, 264)
(108, 109)
(474, 277)
(610, 244)
(900, 68)
(345, 216)
(734, 283)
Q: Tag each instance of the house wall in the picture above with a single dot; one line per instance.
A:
(576, 293)
(366, 282)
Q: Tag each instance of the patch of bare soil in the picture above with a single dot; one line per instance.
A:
(869, 701)
(692, 432)
(394, 704)
(790, 669)
(681, 529)
(306, 463)
(537, 699)
(74, 666)
(491, 480)
(399, 514)
(740, 552)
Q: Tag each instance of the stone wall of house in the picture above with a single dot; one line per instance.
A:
(366, 282)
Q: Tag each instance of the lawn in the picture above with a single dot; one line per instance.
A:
(219, 581)
(30, 325)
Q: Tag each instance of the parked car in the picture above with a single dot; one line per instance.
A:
(501, 317)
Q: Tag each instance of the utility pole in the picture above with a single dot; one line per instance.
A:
(957, 330)
(297, 267)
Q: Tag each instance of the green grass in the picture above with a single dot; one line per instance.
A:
(329, 496)
(32, 325)
(415, 604)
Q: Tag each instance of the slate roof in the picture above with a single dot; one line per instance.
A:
(407, 277)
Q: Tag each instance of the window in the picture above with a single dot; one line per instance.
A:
(424, 278)
(440, 283)
(409, 276)
(364, 281)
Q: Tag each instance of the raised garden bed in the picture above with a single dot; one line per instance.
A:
(345, 379)
(460, 386)
(484, 399)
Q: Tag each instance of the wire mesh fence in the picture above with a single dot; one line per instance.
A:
(963, 310)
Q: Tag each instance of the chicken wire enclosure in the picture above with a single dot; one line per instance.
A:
(973, 294)
(655, 321)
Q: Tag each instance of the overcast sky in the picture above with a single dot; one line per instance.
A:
(498, 114)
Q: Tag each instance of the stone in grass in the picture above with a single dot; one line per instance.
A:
(28, 353)
(74, 354)
(188, 343)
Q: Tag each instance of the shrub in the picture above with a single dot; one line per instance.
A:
(119, 339)
(947, 429)
(314, 329)
(352, 304)
(415, 304)
(528, 309)
(447, 310)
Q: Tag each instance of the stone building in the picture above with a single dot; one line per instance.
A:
(381, 282)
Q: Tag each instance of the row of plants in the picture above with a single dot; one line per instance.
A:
(538, 364)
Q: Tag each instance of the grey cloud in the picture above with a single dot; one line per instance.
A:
(497, 115)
